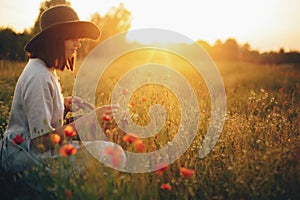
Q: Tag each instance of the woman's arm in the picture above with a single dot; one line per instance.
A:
(45, 140)
(73, 104)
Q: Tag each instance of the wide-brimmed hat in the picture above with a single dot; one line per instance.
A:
(59, 20)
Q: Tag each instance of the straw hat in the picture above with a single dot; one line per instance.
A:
(62, 19)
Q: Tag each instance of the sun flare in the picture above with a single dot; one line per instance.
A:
(162, 37)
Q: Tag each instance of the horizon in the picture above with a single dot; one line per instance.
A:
(264, 26)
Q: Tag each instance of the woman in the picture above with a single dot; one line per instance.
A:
(38, 106)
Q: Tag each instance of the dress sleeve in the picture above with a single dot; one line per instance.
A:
(38, 94)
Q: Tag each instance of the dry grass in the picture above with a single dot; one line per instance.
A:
(256, 157)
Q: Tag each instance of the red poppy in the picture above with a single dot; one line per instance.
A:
(106, 117)
(69, 131)
(115, 155)
(161, 168)
(186, 172)
(67, 150)
(139, 145)
(68, 193)
(124, 91)
(108, 151)
(129, 138)
(144, 99)
(18, 139)
(132, 104)
(55, 138)
(166, 186)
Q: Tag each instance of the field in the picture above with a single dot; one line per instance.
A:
(256, 157)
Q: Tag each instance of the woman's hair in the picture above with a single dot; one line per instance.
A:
(52, 51)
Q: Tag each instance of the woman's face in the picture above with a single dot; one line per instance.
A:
(71, 46)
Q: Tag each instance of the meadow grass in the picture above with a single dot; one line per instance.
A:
(256, 156)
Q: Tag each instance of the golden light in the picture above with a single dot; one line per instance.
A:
(164, 38)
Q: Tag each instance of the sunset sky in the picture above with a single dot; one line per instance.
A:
(264, 24)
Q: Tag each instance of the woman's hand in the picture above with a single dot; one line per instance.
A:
(73, 104)
(106, 114)
(106, 110)
(91, 124)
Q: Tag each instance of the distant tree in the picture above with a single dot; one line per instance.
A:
(205, 45)
(12, 44)
(231, 50)
(245, 52)
(217, 50)
(7, 37)
(253, 56)
(281, 51)
(117, 20)
(292, 57)
(246, 47)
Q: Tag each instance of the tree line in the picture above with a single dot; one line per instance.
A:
(230, 50)
(118, 20)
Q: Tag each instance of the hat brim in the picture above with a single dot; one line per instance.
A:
(83, 28)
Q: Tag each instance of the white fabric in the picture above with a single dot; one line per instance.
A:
(37, 109)
(38, 103)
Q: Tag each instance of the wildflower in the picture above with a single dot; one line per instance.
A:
(186, 172)
(281, 90)
(55, 138)
(106, 117)
(67, 150)
(18, 139)
(132, 104)
(124, 91)
(144, 99)
(68, 193)
(129, 138)
(166, 186)
(109, 151)
(69, 131)
(115, 155)
(139, 145)
(161, 168)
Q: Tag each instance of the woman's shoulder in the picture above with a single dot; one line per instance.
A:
(37, 65)
(36, 68)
